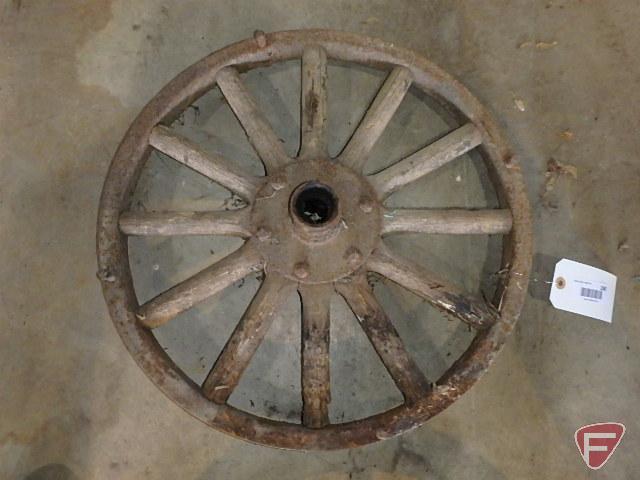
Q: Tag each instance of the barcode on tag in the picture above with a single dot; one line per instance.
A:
(591, 293)
(583, 289)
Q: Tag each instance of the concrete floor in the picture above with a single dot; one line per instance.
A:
(74, 75)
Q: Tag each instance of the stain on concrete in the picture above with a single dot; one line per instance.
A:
(52, 471)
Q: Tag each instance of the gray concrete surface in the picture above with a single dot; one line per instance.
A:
(72, 77)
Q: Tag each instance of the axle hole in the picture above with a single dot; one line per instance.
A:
(314, 203)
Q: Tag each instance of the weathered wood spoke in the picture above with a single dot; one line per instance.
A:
(211, 165)
(313, 124)
(246, 338)
(200, 286)
(442, 295)
(387, 101)
(426, 160)
(260, 134)
(232, 222)
(385, 339)
(316, 390)
(451, 221)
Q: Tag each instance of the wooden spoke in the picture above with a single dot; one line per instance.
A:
(313, 124)
(385, 339)
(232, 222)
(475, 312)
(211, 165)
(426, 160)
(246, 338)
(260, 134)
(316, 390)
(376, 119)
(199, 287)
(453, 221)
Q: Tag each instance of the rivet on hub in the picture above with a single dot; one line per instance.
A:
(278, 183)
(366, 205)
(263, 234)
(301, 270)
(353, 256)
(266, 192)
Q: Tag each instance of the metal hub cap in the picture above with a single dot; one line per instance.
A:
(314, 224)
(311, 227)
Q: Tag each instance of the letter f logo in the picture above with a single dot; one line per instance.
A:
(598, 441)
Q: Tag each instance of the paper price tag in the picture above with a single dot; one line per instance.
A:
(582, 289)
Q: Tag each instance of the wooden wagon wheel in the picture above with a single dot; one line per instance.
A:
(304, 211)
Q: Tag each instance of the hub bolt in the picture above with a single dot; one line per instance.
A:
(301, 270)
(366, 205)
(278, 183)
(353, 257)
(263, 234)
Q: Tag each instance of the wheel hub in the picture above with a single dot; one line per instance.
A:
(317, 221)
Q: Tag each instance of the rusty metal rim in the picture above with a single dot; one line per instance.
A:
(185, 89)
